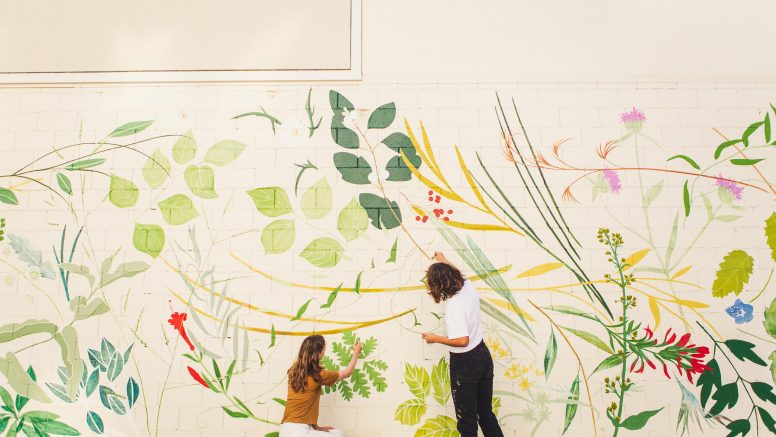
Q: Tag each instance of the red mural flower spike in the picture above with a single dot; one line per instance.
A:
(176, 320)
(196, 377)
(686, 356)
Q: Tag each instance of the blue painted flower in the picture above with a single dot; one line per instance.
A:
(741, 312)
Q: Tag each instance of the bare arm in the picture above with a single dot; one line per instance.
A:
(440, 257)
(346, 372)
(454, 342)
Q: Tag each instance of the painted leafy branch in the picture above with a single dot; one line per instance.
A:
(368, 374)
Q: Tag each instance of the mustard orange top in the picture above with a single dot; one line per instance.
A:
(302, 407)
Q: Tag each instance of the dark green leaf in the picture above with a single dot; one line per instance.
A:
(383, 213)
(740, 426)
(111, 400)
(637, 421)
(726, 397)
(687, 159)
(95, 422)
(91, 383)
(745, 161)
(354, 169)
(571, 405)
(724, 146)
(86, 163)
(686, 199)
(708, 380)
(382, 117)
(21, 401)
(341, 134)
(4, 422)
(764, 391)
(133, 391)
(767, 124)
(743, 350)
(768, 421)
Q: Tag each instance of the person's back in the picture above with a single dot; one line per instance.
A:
(462, 317)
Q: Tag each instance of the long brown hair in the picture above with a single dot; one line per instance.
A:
(308, 363)
(443, 281)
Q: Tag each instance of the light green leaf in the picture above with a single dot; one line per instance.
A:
(609, 362)
(130, 128)
(19, 380)
(590, 338)
(124, 270)
(78, 269)
(571, 405)
(148, 238)
(332, 297)
(707, 205)
(770, 234)
(317, 200)
(178, 209)
(727, 218)
(440, 426)
(64, 183)
(271, 201)
(550, 355)
(12, 331)
(300, 312)
(733, 273)
(570, 310)
(352, 221)
(83, 310)
(672, 238)
(201, 181)
(417, 380)
(686, 159)
(156, 169)
(382, 117)
(224, 152)
(652, 193)
(495, 405)
(123, 192)
(637, 421)
(83, 164)
(440, 381)
(323, 252)
(185, 148)
(67, 339)
(278, 236)
(392, 255)
(410, 412)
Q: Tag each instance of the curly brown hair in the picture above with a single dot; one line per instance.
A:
(443, 281)
(308, 363)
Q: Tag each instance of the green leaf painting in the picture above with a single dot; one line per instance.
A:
(770, 234)
(324, 252)
(353, 169)
(271, 201)
(352, 221)
(185, 148)
(278, 236)
(382, 117)
(410, 411)
(341, 134)
(382, 213)
(201, 181)
(123, 192)
(733, 273)
(130, 128)
(178, 209)
(148, 238)
(156, 170)
(224, 152)
(317, 200)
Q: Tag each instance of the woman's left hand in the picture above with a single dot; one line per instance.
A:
(429, 337)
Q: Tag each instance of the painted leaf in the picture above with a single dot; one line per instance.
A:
(83, 164)
(539, 270)
(397, 169)
(341, 134)
(224, 152)
(271, 201)
(609, 362)
(20, 380)
(440, 381)
(550, 355)
(681, 272)
(392, 254)
(652, 193)
(637, 421)
(770, 234)
(332, 297)
(686, 159)
(655, 310)
(67, 339)
(352, 168)
(323, 252)
(133, 391)
(92, 382)
(590, 338)
(201, 181)
(733, 273)
(417, 380)
(111, 400)
(744, 351)
(130, 128)
(64, 183)
(123, 192)
(571, 405)
(410, 412)
(30, 255)
(278, 236)
(749, 131)
(302, 309)
(495, 405)
(570, 310)
(383, 214)
(352, 221)
(12, 331)
(148, 238)
(178, 209)
(686, 200)
(770, 319)
(317, 200)
(742, 161)
(439, 426)
(83, 310)
(185, 148)
(634, 259)
(768, 420)
(124, 270)
(7, 196)
(382, 117)
(156, 170)
(95, 422)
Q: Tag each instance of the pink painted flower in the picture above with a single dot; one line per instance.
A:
(731, 187)
(633, 119)
(613, 179)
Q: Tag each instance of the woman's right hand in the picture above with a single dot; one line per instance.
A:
(357, 349)
(439, 256)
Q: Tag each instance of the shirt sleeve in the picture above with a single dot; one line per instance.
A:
(329, 377)
(455, 321)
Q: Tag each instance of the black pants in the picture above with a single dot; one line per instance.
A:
(471, 381)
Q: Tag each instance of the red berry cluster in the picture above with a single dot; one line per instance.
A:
(438, 212)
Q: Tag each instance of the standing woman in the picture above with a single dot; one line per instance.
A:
(471, 366)
(305, 378)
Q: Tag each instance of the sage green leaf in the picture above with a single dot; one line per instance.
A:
(317, 200)
(78, 269)
(85, 163)
(733, 273)
(95, 422)
(550, 355)
(123, 192)
(570, 310)
(178, 209)
(112, 400)
(590, 338)
(323, 252)
(12, 331)
(7, 196)
(637, 421)
(278, 236)
(417, 380)
(185, 148)
(270, 201)
(156, 169)
(770, 234)
(83, 310)
(67, 339)
(571, 405)
(382, 213)
(410, 412)
(439, 426)
(382, 117)
(341, 134)
(124, 270)
(19, 380)
(148, 238)
(224, 152)
(652, 193)
(59, 391)
(64, 183)
(130, 128)
(440, 381)
(352, 168)
(352, 221)
(201, 181)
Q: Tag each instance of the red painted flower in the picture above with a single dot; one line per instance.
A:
(688, 358)
(176, 320)
(196, 377)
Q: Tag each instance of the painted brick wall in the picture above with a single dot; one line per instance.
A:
(678, 245)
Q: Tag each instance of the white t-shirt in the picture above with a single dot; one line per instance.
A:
(462, 317)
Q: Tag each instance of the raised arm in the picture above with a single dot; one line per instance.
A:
(346, 372)
(440, 257)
